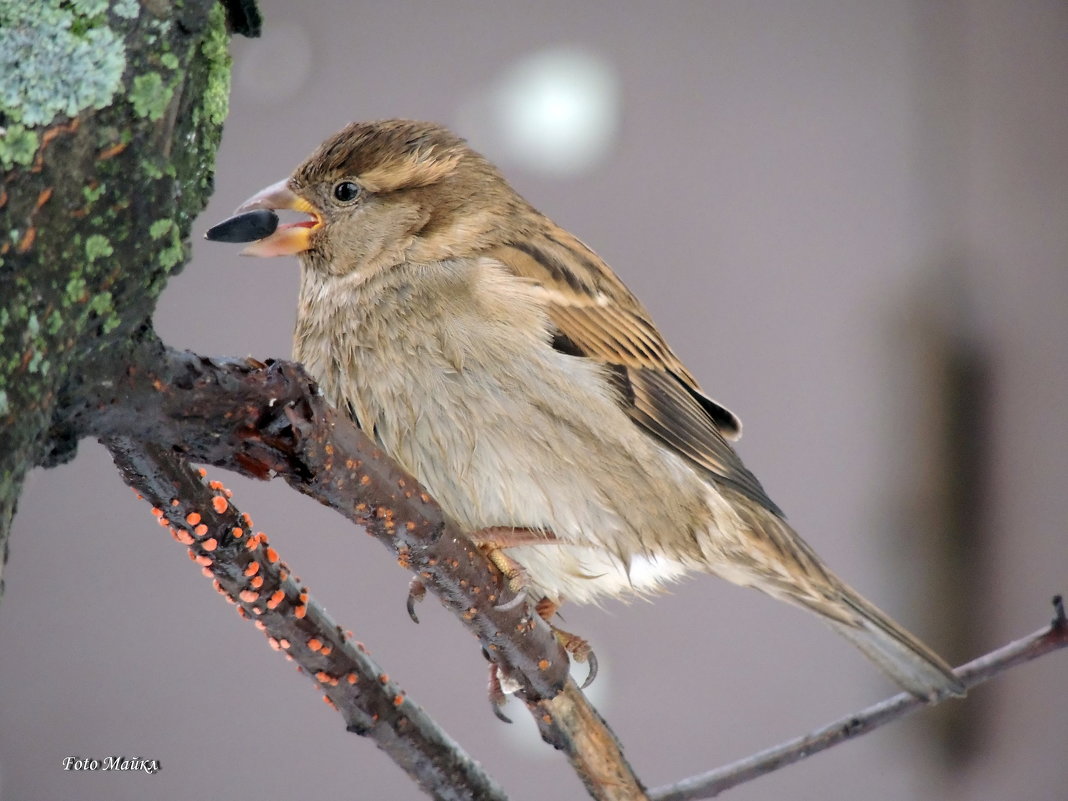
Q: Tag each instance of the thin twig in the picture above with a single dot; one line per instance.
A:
(708, 785)
(250, 575)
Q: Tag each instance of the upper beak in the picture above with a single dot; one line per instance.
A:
(289, 238)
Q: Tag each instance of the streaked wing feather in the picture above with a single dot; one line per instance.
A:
(598, 317)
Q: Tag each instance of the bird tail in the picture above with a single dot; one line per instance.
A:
(905, 659)
(772, 557)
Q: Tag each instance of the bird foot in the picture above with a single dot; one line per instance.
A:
(578, 648)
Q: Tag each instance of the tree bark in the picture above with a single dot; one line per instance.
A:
(107, 155)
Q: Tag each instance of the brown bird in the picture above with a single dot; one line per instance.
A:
(501, 362)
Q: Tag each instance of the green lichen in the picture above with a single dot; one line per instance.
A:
(169, 60)
(74, 291)
(97, 246)
(127, 9)
(160, 228)
(5, 405)
(18, 146)
(174, 252)
(149, 95)
(55, 322)
(91, 193)
(56, 58)
(216, 51)
(90, 8)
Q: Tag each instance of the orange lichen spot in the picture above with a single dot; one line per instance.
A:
(327, 650)
(217, 587)
(210, 544)
(257, 611)
(241, 611)
(252, 569)
(220, 504)
(284, 642)
(200, 530)
(246, 520)
(259, 623)
(323, 677)
(183, 536)
(283, 574)
(303, 596)
(192, 518)
(398, 700)
(163, 522)
(42, 198)
(361, 507)
(256, 582)
(253, 542)
(365, 480)
(352, 678)
(27, 240)
(206, 572)
(328, 702)
(348, 633)
(547, 718)
(315, 644)
(215, 485)
(383, 678)
(248, 596)
(203, 560)
(271, 641)
(276, 599)
(410, 525)
(202, 472)
(543, 664)
(175, 502)
(424, 497)
(272, 555)
(192, 553)
(300, 611)
(238, 532)
(157, 512)
(470, 613)
(111, 151)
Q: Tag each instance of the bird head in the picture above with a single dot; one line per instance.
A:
(381, 193)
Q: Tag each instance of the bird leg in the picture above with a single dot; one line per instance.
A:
(492, 542)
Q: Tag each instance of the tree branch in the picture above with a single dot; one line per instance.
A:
(267, 420)
(974, 673)
(248, 573)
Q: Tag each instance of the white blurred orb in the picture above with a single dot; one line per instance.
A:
(555, 111)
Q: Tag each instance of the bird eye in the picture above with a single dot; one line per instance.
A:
(347, 191)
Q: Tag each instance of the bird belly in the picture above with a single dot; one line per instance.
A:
(504, 431)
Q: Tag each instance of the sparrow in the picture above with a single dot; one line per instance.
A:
(501, 362)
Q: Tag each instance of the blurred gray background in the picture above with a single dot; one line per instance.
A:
(851, 220)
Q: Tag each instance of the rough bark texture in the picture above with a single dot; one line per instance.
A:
(107, 152)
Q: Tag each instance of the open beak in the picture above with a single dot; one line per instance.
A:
(288, 238)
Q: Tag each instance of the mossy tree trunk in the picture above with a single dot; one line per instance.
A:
(110, 116)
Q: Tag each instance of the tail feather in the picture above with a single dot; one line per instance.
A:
(905, 659)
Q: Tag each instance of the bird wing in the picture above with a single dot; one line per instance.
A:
(596, 317)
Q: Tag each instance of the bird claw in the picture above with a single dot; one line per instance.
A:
(416, 593)
(497, 698)
(507, 606)
(580, 651)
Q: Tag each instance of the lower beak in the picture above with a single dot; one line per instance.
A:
(289, 238)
